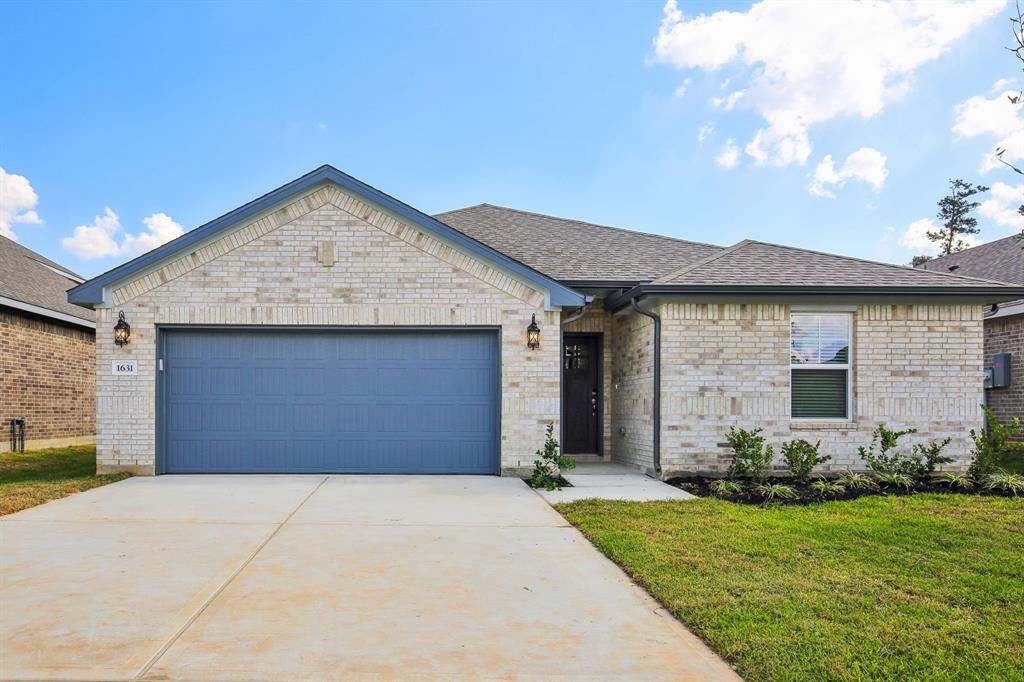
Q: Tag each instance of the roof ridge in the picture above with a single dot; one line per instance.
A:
(583, 222)
(667, 278)
(875, 262)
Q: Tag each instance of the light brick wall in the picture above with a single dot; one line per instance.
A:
(728, 364)
(46, 377)
(1006, 335)
(387, 274)
(632, 387)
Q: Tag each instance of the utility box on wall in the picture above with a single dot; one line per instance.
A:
(1001, 370)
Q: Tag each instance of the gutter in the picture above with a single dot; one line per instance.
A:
(991, 294)
(656, 403)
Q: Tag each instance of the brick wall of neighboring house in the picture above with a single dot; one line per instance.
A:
(47, 376)
(728, 364)
(387, 273)
(1006, 335)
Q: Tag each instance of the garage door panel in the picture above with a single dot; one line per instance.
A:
(329, 401)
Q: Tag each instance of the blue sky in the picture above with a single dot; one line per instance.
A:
(169, 115)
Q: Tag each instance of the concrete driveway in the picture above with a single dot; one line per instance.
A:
(323, 577)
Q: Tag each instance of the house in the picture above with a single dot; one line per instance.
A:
(1002, 259)
(329, 327)
(47, 354)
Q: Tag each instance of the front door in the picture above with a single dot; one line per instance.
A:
(581, 393)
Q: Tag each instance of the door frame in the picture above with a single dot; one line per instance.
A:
(599, 344)
(160, 383)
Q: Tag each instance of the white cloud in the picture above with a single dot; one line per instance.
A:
(705, 131)
(916, 237)
(322, 126)
(811, 62)
(99, 240)
(866, 165)
(683, 87)
(17, 203)
(994, 117)
(1002, 204)
(729, 157)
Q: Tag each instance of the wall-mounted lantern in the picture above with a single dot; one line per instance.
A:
(533, 335)
(122, 331)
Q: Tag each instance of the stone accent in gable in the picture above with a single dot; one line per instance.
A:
(334, 198)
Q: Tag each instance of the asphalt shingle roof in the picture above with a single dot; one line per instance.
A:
(1001, 260)
(28, 277)
(753, 263)
(572, 250)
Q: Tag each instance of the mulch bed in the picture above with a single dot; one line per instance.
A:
(700, 486)
(562, 483)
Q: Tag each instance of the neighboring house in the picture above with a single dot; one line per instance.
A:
(47, 353)
(328, 327)
(1001, 260)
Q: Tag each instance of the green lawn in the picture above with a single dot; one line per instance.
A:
(31, 478)
(924, 587)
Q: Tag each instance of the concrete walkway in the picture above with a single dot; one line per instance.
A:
(607, 481)
(314, 577)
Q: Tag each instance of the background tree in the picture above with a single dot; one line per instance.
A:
(1017, 30)
(955, 214)
(920, 260)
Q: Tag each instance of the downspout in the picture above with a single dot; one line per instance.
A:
(656, 405)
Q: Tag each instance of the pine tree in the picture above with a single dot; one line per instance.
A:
(955, 214)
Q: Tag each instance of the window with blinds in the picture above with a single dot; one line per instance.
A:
(820, 386)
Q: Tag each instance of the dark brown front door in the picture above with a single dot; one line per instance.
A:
(581, 393)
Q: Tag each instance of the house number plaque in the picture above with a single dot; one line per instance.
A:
(123, 367)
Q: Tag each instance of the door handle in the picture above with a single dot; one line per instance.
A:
(593, 402)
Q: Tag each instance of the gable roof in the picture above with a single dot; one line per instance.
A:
(572, 250)
(92, 293)
(36, 284)
(1002, 259)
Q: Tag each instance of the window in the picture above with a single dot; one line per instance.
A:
(576, 356)
(820, 365)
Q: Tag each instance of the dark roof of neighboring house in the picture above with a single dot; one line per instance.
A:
(37, 282)
(572, 250)
(1001, 260)
(757, 263)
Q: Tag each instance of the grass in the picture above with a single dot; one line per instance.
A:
(923, 587)
(31, 478)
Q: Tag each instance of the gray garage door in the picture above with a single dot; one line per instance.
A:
(328, 401)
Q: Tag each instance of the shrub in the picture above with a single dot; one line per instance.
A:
(724, 487)
(895, 479)
(823, 486)
(550, 463)
(801, 457)
(855, 481)
(1005, 482)
(887, 459)
(751, 456)
(774, 491)
(930, 456)
(991, 444)
(953, 480)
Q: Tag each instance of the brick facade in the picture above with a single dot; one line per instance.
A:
(274, 272)
(46, 376)
(728, 364)
(1006, 335)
